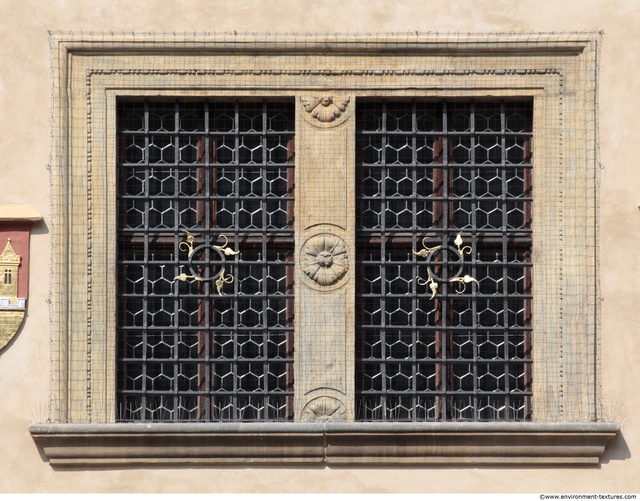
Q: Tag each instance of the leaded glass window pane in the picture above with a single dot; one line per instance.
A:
(440, 349)
(192, 349)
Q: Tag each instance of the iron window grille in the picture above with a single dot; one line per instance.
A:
(218, 170)
(426, 172)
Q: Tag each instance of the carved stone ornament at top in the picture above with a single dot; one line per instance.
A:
(324, 409)
(327, 111)
(325, 259)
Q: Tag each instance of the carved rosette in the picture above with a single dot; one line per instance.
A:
(325, 259)
(324, 409)
(325, 111)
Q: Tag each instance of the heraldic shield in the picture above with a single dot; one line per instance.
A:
(15, 228)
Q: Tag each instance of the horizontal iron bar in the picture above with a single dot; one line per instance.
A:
(449, 361)
(440, 133)
(211, 133)
(193, 165)
(170, 330)
(470, 329)
(387, 393)
(195, 393)
(446, 165)
(450, 294)
(205, 361)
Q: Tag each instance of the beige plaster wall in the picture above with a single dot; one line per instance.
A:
(24, 179)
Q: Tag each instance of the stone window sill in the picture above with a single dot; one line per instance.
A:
(139, 444)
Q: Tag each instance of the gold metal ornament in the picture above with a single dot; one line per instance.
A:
(433, 285)
(183, 277)
(458, 242)
(188, 244)
(432, 279)
(226, 250)
(427, 250)
(462, 282)
(221, 278)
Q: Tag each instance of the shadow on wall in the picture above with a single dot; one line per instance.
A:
(617, 450)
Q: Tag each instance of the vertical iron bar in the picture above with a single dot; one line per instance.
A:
(445, 292)
(234, 364)
(474, 226)
(145, 305)
(412, 257)
(263, 265)
(505, 257)
(176, 229)
(207, 363)
(384, 171)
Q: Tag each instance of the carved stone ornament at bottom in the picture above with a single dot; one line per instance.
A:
(325, 259)
(324, 409)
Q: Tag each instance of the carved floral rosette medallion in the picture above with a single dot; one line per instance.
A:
(325, 111)
(325, 259)
(324, 409)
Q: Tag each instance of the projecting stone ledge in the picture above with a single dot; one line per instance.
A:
(181, 444)
(19, 213)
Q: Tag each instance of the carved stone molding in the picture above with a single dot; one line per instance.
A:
(340, 444)
(325, 259)
(328, 111)
(437, 72)
(324, 409)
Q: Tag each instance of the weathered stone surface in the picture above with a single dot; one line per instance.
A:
(76, 445)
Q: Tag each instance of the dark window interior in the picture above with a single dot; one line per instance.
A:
(221, 171)
(428, 171)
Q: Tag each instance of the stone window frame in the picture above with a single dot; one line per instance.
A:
(90, 72)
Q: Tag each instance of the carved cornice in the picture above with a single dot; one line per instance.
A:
(419, 43)
(181, 444)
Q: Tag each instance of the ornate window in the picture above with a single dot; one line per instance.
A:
(413, 181)
(205, 260)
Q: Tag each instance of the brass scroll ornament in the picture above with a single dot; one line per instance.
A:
(223, 252)
(432, 279)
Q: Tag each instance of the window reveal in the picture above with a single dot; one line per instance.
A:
(215, 171)
(426, 173)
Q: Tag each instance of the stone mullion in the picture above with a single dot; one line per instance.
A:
(325, 243)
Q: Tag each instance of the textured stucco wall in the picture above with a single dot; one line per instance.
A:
(24, 149)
